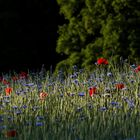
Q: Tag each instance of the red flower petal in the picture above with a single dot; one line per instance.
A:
(8, 91)
(92, 91)
(119, 86)
(11, 133)
(102, 61)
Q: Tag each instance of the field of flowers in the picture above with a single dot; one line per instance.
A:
(102, 104)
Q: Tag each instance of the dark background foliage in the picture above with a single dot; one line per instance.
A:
(99, 28)
(28, 34)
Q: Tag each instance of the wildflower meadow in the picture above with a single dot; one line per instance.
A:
(100, 104)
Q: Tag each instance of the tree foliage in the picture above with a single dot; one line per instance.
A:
(98, 28)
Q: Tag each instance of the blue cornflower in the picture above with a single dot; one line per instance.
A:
(29, 84)
(114, 103)
(132, 81)
(6, 101)
(15, 107)
(18, 112)
(76, 81)
(103, 109)
(39, 118)
(39, 123)
(130, 104)
(109, 74)
(81, 94)
(3, 127)
(24, 106)
(75, 67)
(61, 95)
(71, 94)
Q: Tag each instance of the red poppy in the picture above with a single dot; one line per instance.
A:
(101, 61)
(92, 91)
(11, 133)
(8, 91)
(137, 69)
(119, 86)
(23, 75)
(5, 82)
(43, 95)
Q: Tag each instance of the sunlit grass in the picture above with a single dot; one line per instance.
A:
(67, 111)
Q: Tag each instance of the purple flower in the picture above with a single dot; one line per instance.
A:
(39, 123)
(61, 95)
(114, 103)
(73, 76)
(75, 67)
(76, 81)
(24, 106)
(6, 101)
(103, 109)
(39, 118)
(18, 112)
(130, 104)
(109, 74)
(29, 84)
(3, 127)
(81, 94)
(15, 107)
(71, 94)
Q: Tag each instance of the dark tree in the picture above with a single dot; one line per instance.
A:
(98, 28)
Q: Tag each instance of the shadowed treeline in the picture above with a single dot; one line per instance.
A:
(28, 33)
(98, 28)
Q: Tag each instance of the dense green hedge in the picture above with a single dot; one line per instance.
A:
(98, 28)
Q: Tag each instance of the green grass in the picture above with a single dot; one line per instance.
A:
(110, 114)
